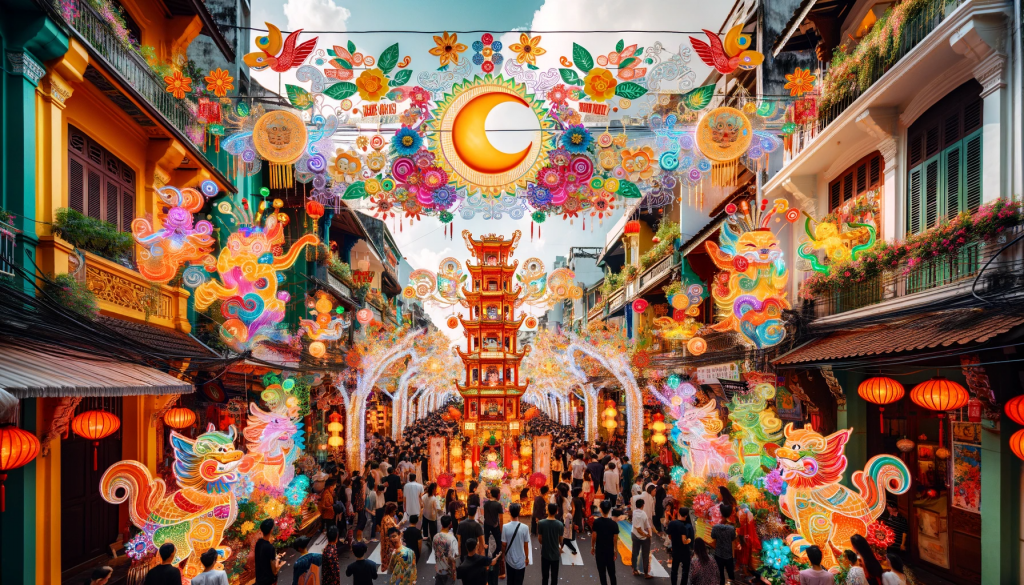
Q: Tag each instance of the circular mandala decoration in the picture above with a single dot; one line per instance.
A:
(724, 134)
(531, 322)
(280, 137)
(697, 346)
(452, 322)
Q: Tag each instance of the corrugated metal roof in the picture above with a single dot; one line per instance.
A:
(30, 372)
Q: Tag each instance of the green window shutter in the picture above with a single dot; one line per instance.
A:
(914, 195)
(952, 183)
(930, 203)
(972, 171)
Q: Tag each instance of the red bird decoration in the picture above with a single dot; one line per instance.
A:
(268, 56)
(734, 54)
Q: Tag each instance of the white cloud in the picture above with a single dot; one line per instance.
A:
(310, 15)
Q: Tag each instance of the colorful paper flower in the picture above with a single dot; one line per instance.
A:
(178, 85)
(372, 85)
(558, 94)
(376, 161)
(601, 206)
(537, 196)
(559, 157)
(406, 141)
(220, 82)
(448, 48)
(773, 483)
(139, 547)
(638, 163)
(599, 84)
(434, 178)
(538, 216)
(626, 61)
(247, 527)
(423, 159)
(419, 96)
(444, 197)
(527, 49)
(799, 82)
(549, 178)
(577, 139)
(775, 553)
(879, 535)
(487, 55)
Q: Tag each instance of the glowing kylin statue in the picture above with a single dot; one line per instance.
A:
(274, 438)
(755, 426)
(695, 432)
(194, 517)
(250, 273)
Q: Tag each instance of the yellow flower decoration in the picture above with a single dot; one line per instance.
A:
(371, 186)
(220, 82)
(247, 527)
(527, 50)
(273, 508)
(599, 84)
(639, 163)
(375, 161)
(372, 85)
(608, 159)
(799, 82)
(178, 85)
(448, 48)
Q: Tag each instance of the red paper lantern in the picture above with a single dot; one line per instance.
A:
(17, 448)
(1017, 444)
(314, 209)
(639, 306)
(881, 391)
(1015, 409)
(940, 394)
(632, 227)
(179, 418)
(95, 425)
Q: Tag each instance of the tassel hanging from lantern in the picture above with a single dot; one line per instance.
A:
(723, 174)
(531, 231)
(280, 175)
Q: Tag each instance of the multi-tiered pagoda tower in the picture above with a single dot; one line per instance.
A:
(493, 387)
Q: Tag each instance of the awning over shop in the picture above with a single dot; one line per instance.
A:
(928, 331)
(35, 372)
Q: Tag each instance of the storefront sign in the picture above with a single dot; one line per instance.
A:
(437, 452)
(542, 455)
(787, 405)
(362, 276)
(711, 374)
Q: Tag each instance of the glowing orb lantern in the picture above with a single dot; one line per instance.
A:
(179, 418)
(609, 415)
(940, 394)
(1017, 444)
(1015, 409)
(364, 316)
(639, 306)
(456, 450)
(17, 448)
(335, 427)
(658, 428)
(526, 448)
(881, 391)
(95, 425)
(904, 445)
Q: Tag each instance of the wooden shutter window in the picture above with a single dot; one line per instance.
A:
(915, 199)
(972, 172)
(862, 176)
(100, 185)
(952, 162)
(931, 193)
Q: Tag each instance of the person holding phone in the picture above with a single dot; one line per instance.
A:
(267, 560)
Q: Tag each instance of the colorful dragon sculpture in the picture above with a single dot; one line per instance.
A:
(249, 271)
(755, 427)
(750, 290)
(838, 245)
(180, 239)
(695, 434)
(195, 516)
(826, 513)
(274, 438)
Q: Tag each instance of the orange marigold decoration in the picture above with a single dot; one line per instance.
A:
(372, 85)
(799, 82)
(641, 359)
(178, 85)
(220, 82)
(448, 48)
(527, 49)
(599, 84)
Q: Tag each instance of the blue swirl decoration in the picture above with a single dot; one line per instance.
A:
(669, 160)
(245, 308)
(193, 276)
(209, 188)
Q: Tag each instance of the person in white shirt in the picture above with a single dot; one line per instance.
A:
(641, 539)
(611, 483)
(210, 575)
(579, 468)
(412, 492)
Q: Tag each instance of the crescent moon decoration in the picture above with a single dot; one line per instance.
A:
(461, 146)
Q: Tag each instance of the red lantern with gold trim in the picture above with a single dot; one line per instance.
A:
(17, 448)
(940, 394)
(1017, 443)
(95, 425)
(1015, 409)
(881, 391)
(179, 418)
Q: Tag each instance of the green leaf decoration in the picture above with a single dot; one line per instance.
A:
(331, 53)
(698, 99)
(388, 59)
(628, 190)
(582, 57)
(627, 62)
(639, 51)
(342, 63)
(299, 97)
(649, 61)
(533, 67)
(630, 90)
(351, 47)
(393, 96)
(402, 77)
(340, 91)
(242, 109)
(569, 76)
(620, 45)
(355, 191)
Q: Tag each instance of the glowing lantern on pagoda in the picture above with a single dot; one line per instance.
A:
(881, 391)
(17, 448)
(95, 425)
(335, 427)
(179, 418)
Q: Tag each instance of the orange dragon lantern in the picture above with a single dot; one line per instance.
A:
(827, 513)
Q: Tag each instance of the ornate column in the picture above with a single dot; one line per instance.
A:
(881, 123)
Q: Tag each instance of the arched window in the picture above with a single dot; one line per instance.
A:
(944, 157)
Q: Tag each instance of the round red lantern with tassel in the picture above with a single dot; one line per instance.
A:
(314, 209)
(95, 425)
(17, 448)
(940, 394)
(1015, 409)
(1017, 444)
(881, 391)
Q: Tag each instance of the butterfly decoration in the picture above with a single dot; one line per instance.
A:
(734, 54)
(277, 55)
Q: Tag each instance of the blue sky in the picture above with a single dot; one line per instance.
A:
(423, 244)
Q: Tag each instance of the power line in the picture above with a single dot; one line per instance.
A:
(471, 31)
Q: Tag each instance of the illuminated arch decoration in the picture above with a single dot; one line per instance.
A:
(460, 142)
(195, 516)
(180, 239)
(750, 292)
(251, 303)
(827, 513)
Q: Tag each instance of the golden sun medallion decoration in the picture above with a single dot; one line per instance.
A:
(280, 137)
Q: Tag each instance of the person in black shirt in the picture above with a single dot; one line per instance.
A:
(493, 511)
(469, 528)
(540, 503)
(394, 483)
(602, 545)
(473, 570)
(165, 573)
(680, 530)
(362, 571)
(267, 560)
(412, 537)
(899, 525)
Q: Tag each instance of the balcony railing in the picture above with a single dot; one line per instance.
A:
(96, 32)
(656, 272)
(7, 232)
(913, 32)
(906, 280)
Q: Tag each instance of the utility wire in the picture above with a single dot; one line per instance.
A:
(470, 31)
